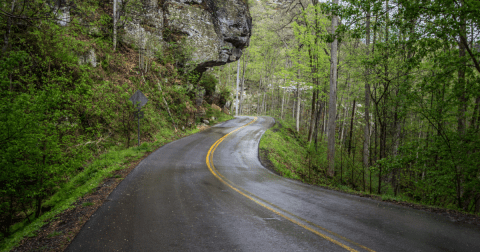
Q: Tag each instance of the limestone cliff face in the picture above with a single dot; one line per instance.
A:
(217, 30)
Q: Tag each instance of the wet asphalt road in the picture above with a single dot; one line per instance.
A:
(174, 201)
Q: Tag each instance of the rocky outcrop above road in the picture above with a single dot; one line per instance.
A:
(215, 30)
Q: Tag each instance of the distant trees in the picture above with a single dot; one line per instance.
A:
(407, 123)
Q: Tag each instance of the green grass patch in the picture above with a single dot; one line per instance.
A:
(86, 204)
(53, 234)
(292, 157)
(285, 150)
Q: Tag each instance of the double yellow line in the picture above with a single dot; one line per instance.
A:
(219, 176)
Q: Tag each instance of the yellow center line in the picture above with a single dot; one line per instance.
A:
(219, 176)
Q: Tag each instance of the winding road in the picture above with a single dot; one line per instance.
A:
(209, 192)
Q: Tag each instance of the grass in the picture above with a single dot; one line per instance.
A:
(89, 179)
(87, 204)
(288, 152)
(284, 151)
(53, 234)
(294, 158)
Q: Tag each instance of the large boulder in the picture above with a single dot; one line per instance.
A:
(145, 25)
(215, 30)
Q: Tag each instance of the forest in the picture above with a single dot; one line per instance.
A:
(382, 97)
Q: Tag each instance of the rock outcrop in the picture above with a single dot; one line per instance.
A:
(216, 30)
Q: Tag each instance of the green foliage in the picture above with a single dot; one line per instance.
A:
(422, 68)
(35, 130)
(64, 127)
(309, 34)
(86, 204)
(209, 83)
(285, 150)
(53, 234)
(224, 92)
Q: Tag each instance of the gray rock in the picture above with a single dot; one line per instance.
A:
(206, 122)
(89, 57)
(145, 28)
(216, 30)
(63, 16)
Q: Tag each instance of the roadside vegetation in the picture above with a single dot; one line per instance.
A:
(66, 122)
(289, 154)
(377, 97)
(293, 157)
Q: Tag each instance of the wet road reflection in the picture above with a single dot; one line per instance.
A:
(209, 192)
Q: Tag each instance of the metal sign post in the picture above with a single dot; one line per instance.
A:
(139, 100)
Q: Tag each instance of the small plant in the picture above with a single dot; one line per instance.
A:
(86, 204)
(32, 234)
(54, 233)
(209, 82)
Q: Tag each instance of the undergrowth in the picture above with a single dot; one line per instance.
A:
(293, 157)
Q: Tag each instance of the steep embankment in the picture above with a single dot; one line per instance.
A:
(68, 127)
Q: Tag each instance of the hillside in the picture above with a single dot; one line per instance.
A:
(68, 71)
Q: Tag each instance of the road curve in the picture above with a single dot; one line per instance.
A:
(208, 192)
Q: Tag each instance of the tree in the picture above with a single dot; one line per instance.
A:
(114, 25)
(332, 104)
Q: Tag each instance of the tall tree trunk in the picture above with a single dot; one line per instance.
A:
(317, 119)
(238, 82)
(241, 97)
(351, 127)
(382, 120)
(477, 203)
(462, 105)
(345, 114)
(344, 125)
(258, 104)
(333, 98)
(366, 133)
(230, 77)
(324, 121)
(9, 29)
(283, 100)
(298, 108)
(474, 119)
(313, 67)
(293, 105)
(262, 107)
(114, 25)
(245, 63)
(398, 127)
(312, 116)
